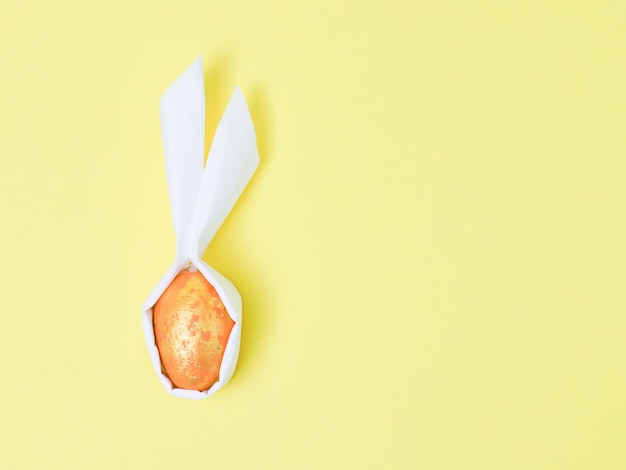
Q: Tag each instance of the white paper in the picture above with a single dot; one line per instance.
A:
(201, 198)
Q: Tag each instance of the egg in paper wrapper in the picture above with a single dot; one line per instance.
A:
(192, 328)
(192, 319)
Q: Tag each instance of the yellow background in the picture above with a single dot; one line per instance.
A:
(432, 254)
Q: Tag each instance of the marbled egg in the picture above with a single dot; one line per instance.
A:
(191, 327)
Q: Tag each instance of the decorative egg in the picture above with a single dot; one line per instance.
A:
(191, 327)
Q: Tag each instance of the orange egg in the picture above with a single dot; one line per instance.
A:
(191, 327)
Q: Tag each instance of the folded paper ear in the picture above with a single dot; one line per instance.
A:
(182, 126)
(232, 161)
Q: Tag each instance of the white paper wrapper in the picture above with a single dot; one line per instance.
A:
(201, 198)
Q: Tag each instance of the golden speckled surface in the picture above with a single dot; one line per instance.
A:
(191, 327)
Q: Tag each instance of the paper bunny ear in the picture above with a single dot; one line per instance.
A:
(182, 126)
(232, 161)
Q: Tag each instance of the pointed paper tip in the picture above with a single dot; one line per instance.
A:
(198, 60)
(237, 100)
(194, 70)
